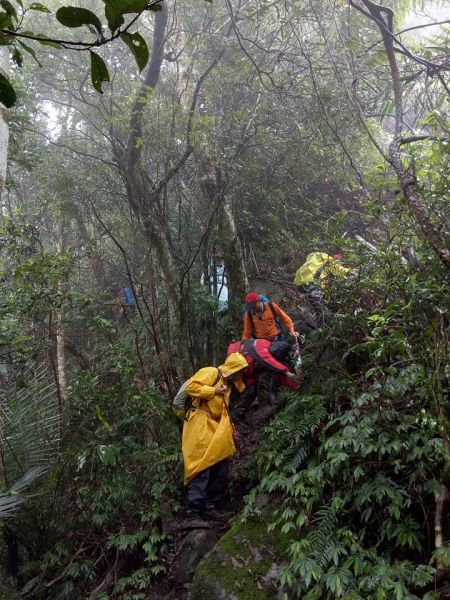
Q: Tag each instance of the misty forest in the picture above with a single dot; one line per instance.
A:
(176, 175)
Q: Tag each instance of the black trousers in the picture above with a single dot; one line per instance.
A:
(240, 403)
(207, 489)
(280, 350)
(314, 297)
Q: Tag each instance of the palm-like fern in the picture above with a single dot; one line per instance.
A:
(29, 435)
(15, 497)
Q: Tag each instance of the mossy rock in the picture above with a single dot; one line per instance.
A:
(244, 565)
(194, 546)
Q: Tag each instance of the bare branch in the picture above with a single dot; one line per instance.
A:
(419, 138)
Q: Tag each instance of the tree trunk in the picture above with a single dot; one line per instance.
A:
(441, 498)
(217, 201)
(60, 326)
(4, 129)
(211, 184)
(97, 265)
(143, 194)
(421, 215)
(239, 284)
(383, 16)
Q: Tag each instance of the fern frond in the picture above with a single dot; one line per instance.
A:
(30, 424)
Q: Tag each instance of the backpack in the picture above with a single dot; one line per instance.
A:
(182, 403)
(129, 296)
(266, 300)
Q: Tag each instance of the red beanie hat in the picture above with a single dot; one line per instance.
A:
(250, 300)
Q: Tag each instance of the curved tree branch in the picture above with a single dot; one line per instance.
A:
(383, 17)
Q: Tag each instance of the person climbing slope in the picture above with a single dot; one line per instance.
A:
(262, 356)
(123, 300)
(208, 438)
(265, 320)
(312, 278)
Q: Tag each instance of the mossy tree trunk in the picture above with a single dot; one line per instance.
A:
(219, 204)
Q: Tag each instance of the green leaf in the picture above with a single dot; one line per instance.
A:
(7, 93)
(108, 455)
(102, 418)
(115, 9)
(44, 41)
(9, 8)
(138, 47)
(17, 57)
(40, 7)
(371, 371)
(114, 17)
(158, 7)
(99, 71)
(72, 16)
(30, 51)
(5, 21)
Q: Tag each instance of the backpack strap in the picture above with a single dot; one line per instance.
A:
(187, 407)
(276, 317)
(219, 375)
(252, 327)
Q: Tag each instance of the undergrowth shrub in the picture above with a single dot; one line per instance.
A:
(117, 487)
(356, 459)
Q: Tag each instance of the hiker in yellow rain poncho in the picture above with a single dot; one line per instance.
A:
(312, 278)
(208, 437)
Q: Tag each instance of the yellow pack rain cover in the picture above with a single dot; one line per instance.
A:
(314, 261)
(208, 432)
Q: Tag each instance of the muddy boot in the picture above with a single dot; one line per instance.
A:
(275, 382)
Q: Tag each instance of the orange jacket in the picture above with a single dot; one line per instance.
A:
(265, 326)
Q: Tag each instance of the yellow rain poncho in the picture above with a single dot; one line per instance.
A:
(208, 432)
(316, 260)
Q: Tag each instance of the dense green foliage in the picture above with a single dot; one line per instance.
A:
(356, 468)
(28, 284)
(107, 494)
(257, 140)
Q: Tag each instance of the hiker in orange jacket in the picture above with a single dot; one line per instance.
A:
(264, 319)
